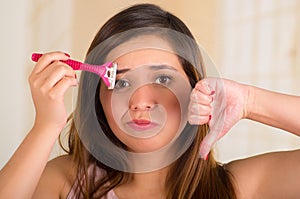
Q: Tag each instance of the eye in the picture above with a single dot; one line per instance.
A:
(121, 83)
(163, 79)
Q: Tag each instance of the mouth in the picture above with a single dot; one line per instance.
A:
(141, 125)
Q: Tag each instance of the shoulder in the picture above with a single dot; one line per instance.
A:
(269, 175)
(245, 173)
(61, 163)
(57, 178)
(62, 167)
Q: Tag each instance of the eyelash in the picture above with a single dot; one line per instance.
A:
(120, 82)
(117, 84)
(169, 78)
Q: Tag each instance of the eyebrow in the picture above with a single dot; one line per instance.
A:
(152, 67)
(123, 70)
(163, 66)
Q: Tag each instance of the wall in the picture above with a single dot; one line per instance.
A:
(68, 26)
(258, 44)
(225, 28)
(31, 26)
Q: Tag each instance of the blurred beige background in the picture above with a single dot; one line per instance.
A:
(251, 41)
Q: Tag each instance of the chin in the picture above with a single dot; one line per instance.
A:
(148, 145)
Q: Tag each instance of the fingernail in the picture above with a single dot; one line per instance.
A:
(206, 157)
(209, 117)
(67, 55)
(213, 92)
(75, 76)
(204, 150)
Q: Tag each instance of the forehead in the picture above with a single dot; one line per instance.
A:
(145, 50)
(139, 43)
(148, 57)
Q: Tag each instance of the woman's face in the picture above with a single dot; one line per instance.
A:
(143, 109)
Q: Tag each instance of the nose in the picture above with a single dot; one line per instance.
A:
(143, 98)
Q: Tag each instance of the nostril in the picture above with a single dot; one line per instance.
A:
(141, 107)
(142, 99)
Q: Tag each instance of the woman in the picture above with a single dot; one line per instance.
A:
(80, 175)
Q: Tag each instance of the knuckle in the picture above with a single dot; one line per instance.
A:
(34, 85)
(195, 109)
(33, 82)
(56, 63)
(31, 79)
(43, 89)
(193, 95)
(67, 80)
(52, 95)
(193, 119)
(199, 83)
(47, 56)
(63, 68)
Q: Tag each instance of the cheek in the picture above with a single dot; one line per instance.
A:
(105, 99)
(171, 105)
(173, 114)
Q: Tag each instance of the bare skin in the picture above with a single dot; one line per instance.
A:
(49, 81)
(273, 175)
(260, 177)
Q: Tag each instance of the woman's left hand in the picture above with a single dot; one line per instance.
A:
(219, 102)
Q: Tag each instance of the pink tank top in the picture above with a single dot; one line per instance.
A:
(110, 195)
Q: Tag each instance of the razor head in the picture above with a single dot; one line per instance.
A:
(110, 75)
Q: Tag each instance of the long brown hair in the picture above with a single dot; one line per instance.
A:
(189, 176)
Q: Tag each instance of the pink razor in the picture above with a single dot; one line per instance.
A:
(106, 71)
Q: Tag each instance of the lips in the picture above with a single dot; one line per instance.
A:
(141, 124)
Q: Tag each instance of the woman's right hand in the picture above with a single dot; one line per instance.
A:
(49, 81)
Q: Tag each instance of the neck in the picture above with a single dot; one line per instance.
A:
(154, 180)
(145, 185)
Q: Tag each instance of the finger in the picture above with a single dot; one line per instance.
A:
(204, 87)
(198, 119)
(47, 58)
(58, 91)
(55, 72)
(207, 143)
(58, 67)
(201, 98)
(199, 109)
